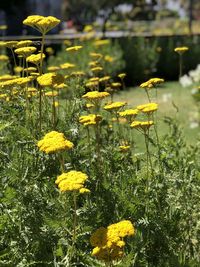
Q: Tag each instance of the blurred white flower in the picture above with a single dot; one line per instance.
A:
(185, 81)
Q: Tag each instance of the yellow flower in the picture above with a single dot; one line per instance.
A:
(72, 181)
(129, 113)
(91, 119)
(41, 23)
(54, 142)
(11, 44)
(102, 42)
(93, 63)
(181, 50)
(7, 77)
(109, 58)
(74, 48)
(95, 95)
(104, 79)
(148, 108)
(156, 81)
(96, 55)
(114, 106)
(25, 51)
(88, 28)
(124, 148)
(146, 85)
(2, 44)
(84, 190)
(18, 69)
(51, 94)
(4, 58)
(53, 68)
(89, 105)
(50, 79)
(30, 69)
(96, 69)
(3, 27)
(24, 43)
(78, 73)
(122, 75)
(35, 59)
(142, 125)
(116, 85)
(50, 50)
(66, 66)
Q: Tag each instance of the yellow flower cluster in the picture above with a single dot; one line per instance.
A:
(129, 113)
(114, 106)
(148, 108)
(54, 142)
(101, 42)
(91, 119)
(24, 43)
(95, 95)
(35, 59)
(25, 51)
(11, 44)
(104, 79)
(122, 75)
(108, 242)
(4, 58)
(151, 83)
(142, 125)
(181, 49)
(74, 48)
(41, 23)
(50, 79)
(72, 181)
(66, 66)
(17, 81)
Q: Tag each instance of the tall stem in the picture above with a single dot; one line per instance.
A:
(74, 219)
(180, 65)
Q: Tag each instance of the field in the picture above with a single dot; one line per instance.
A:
(93, 173)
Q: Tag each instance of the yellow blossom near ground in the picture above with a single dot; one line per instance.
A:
(96, 69)
(122, 75)
(109, 243)
(54, 142)
(11, 44)
(72, 181)
(66, 66)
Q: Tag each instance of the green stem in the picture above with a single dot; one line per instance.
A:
(180, 66)
(74, 219)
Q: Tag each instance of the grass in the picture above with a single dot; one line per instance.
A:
(174, 101)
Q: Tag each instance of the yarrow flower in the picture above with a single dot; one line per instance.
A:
(129, 113)
(91, 119)
(25, 51)
(95, 95)
(181, 50)
(109, 243)
(50, 79)
(41, 23)
(148, 108)
(74, 48)
(54, 142)
(72, 181)
(24, 43)
(114, 106)
(142, 125)
(35, 59)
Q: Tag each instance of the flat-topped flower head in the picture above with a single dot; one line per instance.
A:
(148, 108)
(35, 59)
(25, 51)
(122, 75)
(54, 142)
(142, 125)
(91, 119)
(66, 66)
(181, 50)
(24, 43)
(129, 113)
(146, 85)
(114, 106)
(50, 79)
(101, 42)
(95, 95)
(4, 58)
(74, 48)
(11, 44)
(96, 69)
(104, 79)
(72, 181)
(41, 23)
(156, 81)
(96, 55)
